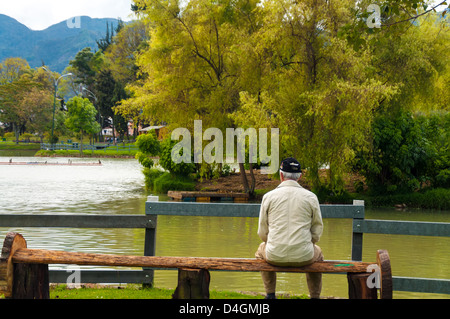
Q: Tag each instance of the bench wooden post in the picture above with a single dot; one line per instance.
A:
(358, 287)
(21, 281)
(192, 284)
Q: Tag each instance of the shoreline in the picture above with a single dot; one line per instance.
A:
(86, 154)
(437, 199)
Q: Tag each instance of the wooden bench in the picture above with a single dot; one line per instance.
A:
(24, 272)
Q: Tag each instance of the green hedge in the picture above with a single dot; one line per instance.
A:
(438, 198)
(162, 182)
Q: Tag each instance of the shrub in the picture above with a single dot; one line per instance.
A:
(408, 152)
(166, 182)
(165, 160)
(326, 195)
(148, 146)
(150, 175)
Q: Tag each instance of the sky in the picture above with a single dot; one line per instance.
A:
(40, 14)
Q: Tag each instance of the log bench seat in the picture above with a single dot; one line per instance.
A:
(24, 272)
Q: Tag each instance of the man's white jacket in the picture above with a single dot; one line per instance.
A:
(290, 222)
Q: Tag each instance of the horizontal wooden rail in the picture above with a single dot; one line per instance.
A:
(239, 210)
(159, 208)
(40, 256)
(427, 285)
(77, 221)
(396, 227)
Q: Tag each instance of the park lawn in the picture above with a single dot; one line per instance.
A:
(88, 153)
(137, 292)
(21, 146)
(134, 292)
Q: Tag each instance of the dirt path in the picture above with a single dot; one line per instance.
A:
(233, 183)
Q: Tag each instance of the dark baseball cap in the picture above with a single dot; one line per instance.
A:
(290, 165)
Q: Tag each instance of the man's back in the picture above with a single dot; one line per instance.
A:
(290, 222)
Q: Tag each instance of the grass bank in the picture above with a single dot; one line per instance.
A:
(13, 149)
(112, 153)
(13, 146)
(137, 292)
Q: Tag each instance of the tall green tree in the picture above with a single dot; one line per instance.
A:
(13, 110)
(387, 16)
(412, 55)
(409, 153)
(81, 118)
(37, 104)
(190, 66)
(85, 66)
(124, 49)
(109, 92)
(191, 70)
(313, 85)
(295, 65)
(12, 69)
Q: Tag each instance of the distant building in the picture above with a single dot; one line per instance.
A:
(161, 131)
(107, 131)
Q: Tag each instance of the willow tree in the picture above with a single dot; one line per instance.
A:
(191, 69)
(409, 50)
(314, 86)
(272, 63)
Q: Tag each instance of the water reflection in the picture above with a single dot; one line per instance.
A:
(67, 189)
(237, 237)
(117, 187)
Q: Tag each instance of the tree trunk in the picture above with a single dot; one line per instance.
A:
(114, 129)
(253, 182)
(244, 178)
(81, 144)
(16, 130)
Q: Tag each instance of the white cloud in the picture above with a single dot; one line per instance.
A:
(38, 15)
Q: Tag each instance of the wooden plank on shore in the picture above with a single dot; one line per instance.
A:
(181, 195)
(38, 256)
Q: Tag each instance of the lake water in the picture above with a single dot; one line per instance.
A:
(117, 187)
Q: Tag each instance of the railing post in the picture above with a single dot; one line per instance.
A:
(357, 235)
(150, 243)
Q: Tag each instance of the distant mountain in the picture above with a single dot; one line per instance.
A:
(55, 46)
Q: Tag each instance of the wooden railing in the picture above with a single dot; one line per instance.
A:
(155, 208)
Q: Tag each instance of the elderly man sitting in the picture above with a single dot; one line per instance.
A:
(290, 223)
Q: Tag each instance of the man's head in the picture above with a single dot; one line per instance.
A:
(290, 169)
